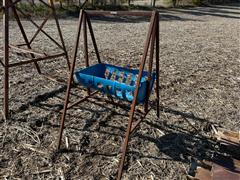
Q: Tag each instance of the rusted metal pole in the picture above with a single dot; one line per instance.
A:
(150, 65)
(85, 41)
(93, 38)
(157, 65)
(18, 49)
(81, 100)
(134, 102)
(39, 29)
(70, 79)
(60, 32)
(85, 45)
(37, 26)
(36, 60)
(83, 4)
(2, 62)
(119, 13)
(24, 35)
(9, 5)
(6, 57)
(46, 4)
(135, 124)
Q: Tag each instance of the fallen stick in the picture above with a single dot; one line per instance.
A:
(30, 147)
(42, 172)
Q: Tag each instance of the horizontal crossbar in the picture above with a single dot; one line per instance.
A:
(36, 60)
(135, 124)
(18, 49)
(81, 100)
(119, 13)
(39, 27)
(23, 44)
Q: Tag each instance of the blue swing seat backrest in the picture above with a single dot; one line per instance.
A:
(116, 81)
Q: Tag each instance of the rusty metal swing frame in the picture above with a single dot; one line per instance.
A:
(152, 41)
(19, 48)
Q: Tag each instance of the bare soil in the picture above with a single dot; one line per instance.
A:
(199, 81)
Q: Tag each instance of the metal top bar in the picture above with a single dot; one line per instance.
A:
(119, 13)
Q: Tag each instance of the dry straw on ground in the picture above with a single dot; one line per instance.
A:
(200, 83)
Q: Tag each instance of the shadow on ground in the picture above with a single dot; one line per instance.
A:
(177, 14)
(178, 143)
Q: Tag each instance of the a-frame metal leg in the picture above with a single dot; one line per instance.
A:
(24, 34)
(6, 57)
(60, 32)
(150, 65)
(157, 65)
(85, 42)
(37, 26)
(70, 79)
(93, 38)
(134, 102)
(40, 28)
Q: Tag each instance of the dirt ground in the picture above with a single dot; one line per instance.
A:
(199, 82)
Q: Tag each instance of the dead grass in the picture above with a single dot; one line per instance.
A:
(200, 83)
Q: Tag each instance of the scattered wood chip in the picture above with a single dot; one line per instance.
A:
(32, 148)
(42, 171)
(67, 142)
(227, 136)
(62, 177)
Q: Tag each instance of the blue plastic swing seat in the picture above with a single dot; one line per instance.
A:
(116, 81)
